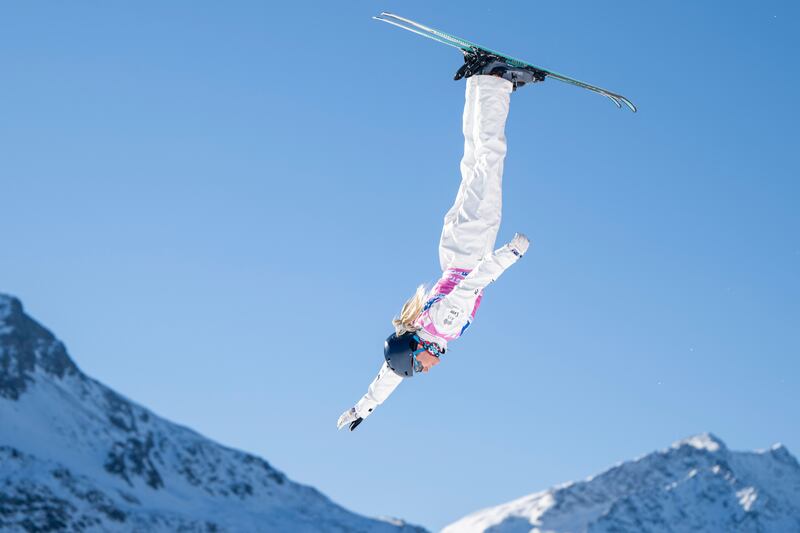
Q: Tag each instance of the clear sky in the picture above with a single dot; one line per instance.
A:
(219, 206)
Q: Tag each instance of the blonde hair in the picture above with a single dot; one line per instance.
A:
(404, 322)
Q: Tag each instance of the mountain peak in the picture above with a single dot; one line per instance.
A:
(698, 484)
(702, 441)
(77, 456)
(26, 349)
(9, 307)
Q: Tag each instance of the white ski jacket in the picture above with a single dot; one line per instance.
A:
(454, 300)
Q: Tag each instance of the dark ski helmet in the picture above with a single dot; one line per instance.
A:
(399, 353)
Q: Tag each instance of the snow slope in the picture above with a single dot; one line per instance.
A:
(77, 456)
(697, 485)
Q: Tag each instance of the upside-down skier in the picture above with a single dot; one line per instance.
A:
(429, 320)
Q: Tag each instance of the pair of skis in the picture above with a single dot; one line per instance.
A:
(468, 47)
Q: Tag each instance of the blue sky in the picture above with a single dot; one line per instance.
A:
(220, 206)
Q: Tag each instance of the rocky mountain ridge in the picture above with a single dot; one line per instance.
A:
(696, 485)
(77, 456)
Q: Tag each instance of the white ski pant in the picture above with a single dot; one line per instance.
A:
(471, 225)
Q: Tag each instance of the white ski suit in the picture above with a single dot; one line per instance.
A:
(470, 229)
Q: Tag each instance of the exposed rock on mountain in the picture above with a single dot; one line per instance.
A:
(697, 485)
(77, 456)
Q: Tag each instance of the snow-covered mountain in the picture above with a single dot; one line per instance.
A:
(697, 485)
(77, 456)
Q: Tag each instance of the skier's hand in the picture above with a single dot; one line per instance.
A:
(347, 417)
(519, 244)
(427, 360)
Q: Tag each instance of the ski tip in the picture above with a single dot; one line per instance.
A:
(613, 99)
(619, 100)
(629, 104)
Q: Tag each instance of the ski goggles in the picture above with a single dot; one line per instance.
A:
(425, 346)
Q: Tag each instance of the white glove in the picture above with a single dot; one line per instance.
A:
(519, 244)
(346, 418)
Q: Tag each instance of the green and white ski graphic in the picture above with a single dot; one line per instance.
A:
(468, 46)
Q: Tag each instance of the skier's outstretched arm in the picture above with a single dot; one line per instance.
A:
(488, 270)
(381, 388)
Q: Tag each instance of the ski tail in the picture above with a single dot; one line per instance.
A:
(425, 31)
(400, 24)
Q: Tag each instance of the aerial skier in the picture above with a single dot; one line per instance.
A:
(429, 320)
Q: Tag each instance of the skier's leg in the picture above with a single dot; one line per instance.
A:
(471, 224)
(451, 250)
(381, 388)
